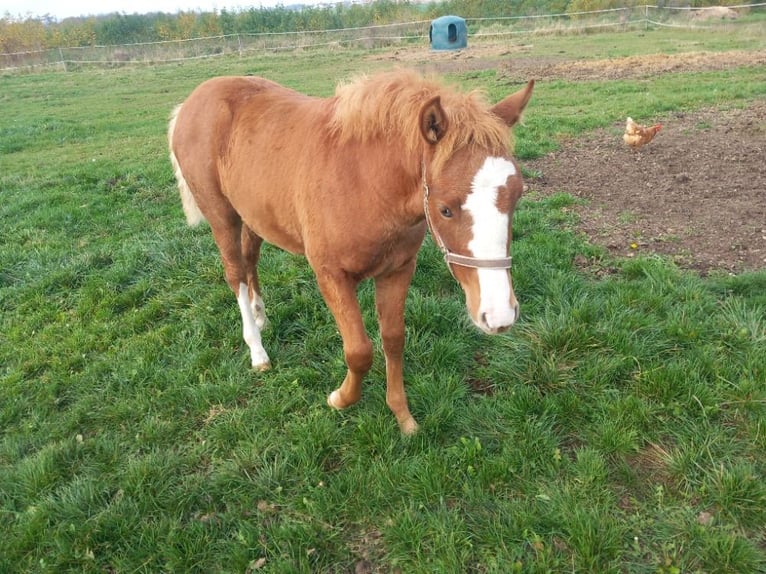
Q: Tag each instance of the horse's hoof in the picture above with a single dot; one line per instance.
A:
(409, 427)
(333, 400)
(261, 367)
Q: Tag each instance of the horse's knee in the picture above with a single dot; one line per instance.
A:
(393, 343)
(359, 355)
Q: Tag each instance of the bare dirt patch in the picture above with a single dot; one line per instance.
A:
(516, 63)
(697, 193)
(645, 66)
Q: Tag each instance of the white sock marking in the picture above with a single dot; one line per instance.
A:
(251, 333)
(259, 311)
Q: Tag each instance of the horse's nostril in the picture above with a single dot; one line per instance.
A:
(483, 319)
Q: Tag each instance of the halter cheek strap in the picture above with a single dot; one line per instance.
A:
(455, 258)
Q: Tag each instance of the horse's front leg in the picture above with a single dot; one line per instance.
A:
(390, 295)
(339, 292)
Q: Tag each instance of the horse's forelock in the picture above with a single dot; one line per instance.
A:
(473, 125)
(389, 105)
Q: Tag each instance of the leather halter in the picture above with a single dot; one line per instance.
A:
(455, 258)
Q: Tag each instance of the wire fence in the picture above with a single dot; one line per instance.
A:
(373, 37)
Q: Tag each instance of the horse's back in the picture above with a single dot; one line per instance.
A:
(232, 90)
(206, 115)
(204, 124)
(235, 141)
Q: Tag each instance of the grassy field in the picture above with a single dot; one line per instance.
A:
(619, 427)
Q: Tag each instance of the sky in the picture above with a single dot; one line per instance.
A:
(60, 9)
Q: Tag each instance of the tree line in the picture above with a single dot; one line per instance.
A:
(20, 34)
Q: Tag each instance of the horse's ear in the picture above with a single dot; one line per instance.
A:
(433, 120)
(509, 109)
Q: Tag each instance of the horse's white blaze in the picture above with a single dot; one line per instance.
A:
(490, 241)
(250, 331)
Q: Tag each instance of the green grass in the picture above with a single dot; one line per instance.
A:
(619, 427)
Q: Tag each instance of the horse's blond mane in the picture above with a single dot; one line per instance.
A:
(389, 105)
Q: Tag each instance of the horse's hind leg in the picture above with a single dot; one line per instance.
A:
(251, 251)
(228, 230)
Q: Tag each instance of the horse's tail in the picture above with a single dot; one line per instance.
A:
(191, 209)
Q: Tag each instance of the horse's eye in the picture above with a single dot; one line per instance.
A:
(446, 212)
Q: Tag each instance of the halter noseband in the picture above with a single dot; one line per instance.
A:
(455, 258)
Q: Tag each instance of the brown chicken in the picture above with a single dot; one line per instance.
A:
(637, 135)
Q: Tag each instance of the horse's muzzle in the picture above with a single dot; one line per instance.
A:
(493, 323)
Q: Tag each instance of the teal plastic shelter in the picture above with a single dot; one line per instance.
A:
(448, 33)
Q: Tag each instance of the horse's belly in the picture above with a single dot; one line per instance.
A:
(283, 241)
(265, 209)
(276, 232)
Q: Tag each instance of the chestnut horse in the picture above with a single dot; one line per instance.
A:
(352, 182)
